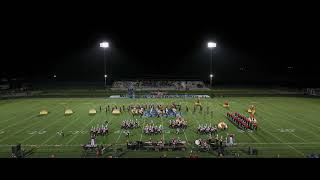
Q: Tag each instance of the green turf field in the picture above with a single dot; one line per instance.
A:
(288, 126)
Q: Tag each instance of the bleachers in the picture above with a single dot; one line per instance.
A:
(156, 85)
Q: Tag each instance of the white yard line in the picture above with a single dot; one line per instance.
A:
(55, 134)
(81, 130)
(51, 124)
(121, 131)
(185, 135)
(297, 127)
(163, 129)
(281, 140)
(271, 122)
(25, 119)
(276, 125)
(144, 121)
(296, 150)
(292, 116)
(17, 132)
(15, 115)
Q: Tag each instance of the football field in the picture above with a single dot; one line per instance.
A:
(288, 126)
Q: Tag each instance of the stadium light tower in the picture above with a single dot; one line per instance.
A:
(104, 45)
(211, 46)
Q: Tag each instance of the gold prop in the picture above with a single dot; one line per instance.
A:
(197, 103)
(226, 104)
(116, 112)
(222, 125)
(68, 112)
(252, 109)
(44, 112)
(92, 111)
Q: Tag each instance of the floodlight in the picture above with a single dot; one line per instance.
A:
(211, 75)
(212, 45)
(105, 76)
(54, 76)
(104, 44)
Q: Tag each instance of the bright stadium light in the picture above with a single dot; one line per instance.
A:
(212, 45)
(54, 76)
(104, 44)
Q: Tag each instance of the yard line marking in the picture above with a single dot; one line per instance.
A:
(294, 117)
(270, 121)
(163, 128)
(119, 136)
(25, 119)
(296, 150)
(54, 135)
(276, 125)
(185, 135)
(308, 131)
(72, 122)
(30, 125)
(282, 141)
(144, 121)
(45, 128)
(82, 130)
(15, 115)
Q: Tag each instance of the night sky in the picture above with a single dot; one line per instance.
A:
(255, 45)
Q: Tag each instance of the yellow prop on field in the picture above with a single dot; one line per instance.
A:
(116, 112)
(92, 111)
(222, 125)
(197, 103)
(68, 112)
(252, 109)
(43, 112)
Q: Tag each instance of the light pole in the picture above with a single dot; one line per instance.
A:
(104, 45)
(211, 46)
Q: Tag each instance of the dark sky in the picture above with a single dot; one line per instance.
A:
(161, 41)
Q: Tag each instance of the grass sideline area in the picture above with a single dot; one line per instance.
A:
(288, 126)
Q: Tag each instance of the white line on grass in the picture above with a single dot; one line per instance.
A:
(280, 139)
(44, 128)
(144, 121)
(121, 131)
(17, 132)
(298, 127)
(82, 130)
(296, 150)
(25, 119)
(292, 116)
(15, 115)
(55, 134)
(276, 125)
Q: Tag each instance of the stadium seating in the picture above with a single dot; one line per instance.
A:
(155, 85)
